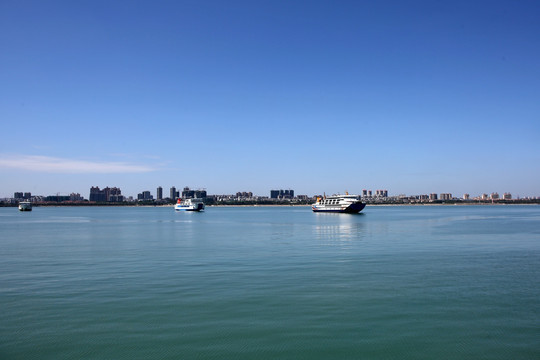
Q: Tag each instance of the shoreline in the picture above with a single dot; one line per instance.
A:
(269, 205)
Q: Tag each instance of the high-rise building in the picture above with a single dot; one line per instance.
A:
(173, 194)
(114, 195)
(281, 194)
(466, 196)
(145, 195)
(507, 196)
(106, 195)
(75, 197)
(433, 196)
(159, 193)
(188, 193)
(97, 195)
(18, 195)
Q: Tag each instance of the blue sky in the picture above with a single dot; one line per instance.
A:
(317, 96)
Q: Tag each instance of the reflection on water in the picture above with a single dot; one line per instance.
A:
(336, 228)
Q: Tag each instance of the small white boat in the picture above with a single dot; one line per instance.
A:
(189, 205)
(25, 206)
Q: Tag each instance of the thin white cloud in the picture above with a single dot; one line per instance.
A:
(49, 164)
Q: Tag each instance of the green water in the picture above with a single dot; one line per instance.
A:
(432, 282)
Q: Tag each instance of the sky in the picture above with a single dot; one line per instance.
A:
(414, 97)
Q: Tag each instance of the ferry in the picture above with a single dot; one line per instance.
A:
(189, 205)
(339, 204)
(25, 206)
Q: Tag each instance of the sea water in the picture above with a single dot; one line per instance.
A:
(396, 282)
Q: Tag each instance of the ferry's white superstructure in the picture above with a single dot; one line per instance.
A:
(25, 206)
(189, 205)
(339, 203)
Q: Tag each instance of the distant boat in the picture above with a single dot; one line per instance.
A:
(189, 205)
(339, 204)
(25, 206)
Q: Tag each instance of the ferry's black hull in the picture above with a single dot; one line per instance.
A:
(351, 209)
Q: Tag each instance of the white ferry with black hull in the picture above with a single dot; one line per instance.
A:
(25, 206)
(339, 204)
(189, 205)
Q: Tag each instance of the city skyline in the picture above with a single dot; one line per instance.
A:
(320, 97)
(114, 194)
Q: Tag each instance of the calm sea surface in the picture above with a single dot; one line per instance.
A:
(410, 282)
